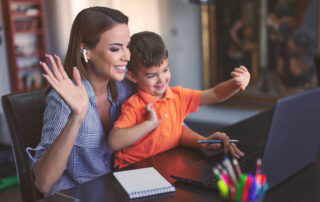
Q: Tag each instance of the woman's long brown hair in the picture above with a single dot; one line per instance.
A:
(87, 27)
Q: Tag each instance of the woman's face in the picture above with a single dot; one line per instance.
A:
(109, 58)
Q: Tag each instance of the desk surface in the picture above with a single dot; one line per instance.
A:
(303, 186)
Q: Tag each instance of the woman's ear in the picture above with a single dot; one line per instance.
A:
(85, 52)
(131, 76)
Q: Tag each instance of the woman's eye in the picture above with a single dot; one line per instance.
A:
(114, 49)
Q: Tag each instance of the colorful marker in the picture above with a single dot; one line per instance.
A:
(252, 191)
(258, 168)
(242, 180)
(223, 188)
(216, 172)
(246, 188)
(227, 164)
(237, 167)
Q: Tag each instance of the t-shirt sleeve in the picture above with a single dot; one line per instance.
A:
(129, 116)
(190, 99)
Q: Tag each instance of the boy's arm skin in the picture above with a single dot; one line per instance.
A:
(219, 93)
(226, 89)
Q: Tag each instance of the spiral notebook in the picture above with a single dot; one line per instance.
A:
(143, 182)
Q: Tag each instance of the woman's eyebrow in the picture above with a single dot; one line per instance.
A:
(116, 44)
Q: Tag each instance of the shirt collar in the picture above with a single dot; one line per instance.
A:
(92, 96)
(89, 89)
(151, 99)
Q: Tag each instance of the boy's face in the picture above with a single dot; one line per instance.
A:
(153, 80)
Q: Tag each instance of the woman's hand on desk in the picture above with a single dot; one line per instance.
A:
(227, 147)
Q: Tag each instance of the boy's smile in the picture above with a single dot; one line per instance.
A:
(153, 80)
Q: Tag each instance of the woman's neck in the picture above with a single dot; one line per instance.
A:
(99, 85)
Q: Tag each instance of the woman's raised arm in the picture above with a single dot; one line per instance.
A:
(75, 96)
(51, 164)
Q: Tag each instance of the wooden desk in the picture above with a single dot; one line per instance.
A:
(303, 186)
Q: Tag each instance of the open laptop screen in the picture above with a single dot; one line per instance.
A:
(293, 137)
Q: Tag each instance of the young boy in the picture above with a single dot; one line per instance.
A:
(151, 120)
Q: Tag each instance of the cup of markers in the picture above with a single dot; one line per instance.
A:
(238, 186)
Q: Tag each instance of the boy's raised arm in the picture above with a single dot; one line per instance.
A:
(226, 89)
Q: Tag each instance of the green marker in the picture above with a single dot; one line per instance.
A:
(216, 172)
(240, 186)
(8, 181)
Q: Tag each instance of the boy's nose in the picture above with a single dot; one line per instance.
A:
(161, 78)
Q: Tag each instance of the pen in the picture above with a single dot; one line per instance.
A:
(215, 141)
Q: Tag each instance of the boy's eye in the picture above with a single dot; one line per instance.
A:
(114, 49)
(165, 70)
(150, 76)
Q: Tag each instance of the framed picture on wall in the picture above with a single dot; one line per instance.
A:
(275, 39)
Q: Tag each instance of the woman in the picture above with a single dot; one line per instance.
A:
(79, 115)
(74, 146)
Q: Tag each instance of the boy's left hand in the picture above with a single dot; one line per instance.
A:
(227, 147)
(241, 77)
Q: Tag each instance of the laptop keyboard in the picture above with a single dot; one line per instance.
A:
(247, 165)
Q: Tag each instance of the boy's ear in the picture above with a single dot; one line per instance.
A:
(131, 76)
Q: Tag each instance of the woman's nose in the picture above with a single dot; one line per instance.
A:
(126, 55)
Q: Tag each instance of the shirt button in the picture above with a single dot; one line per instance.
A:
(166, 115)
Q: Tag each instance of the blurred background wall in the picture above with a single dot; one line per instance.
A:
(176, 20)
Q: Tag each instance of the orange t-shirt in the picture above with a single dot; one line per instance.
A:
(172, 110)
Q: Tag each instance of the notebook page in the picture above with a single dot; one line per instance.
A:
(143, 182)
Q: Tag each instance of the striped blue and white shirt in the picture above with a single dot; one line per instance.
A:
(91, 156)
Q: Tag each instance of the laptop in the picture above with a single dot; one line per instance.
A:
(292, 143)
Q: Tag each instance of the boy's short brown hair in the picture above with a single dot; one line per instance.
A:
(147, 50)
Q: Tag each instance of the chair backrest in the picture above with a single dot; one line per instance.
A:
(316, 58)
(24, 113)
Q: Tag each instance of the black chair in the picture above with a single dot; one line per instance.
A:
(24, 113)
(316, 58)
